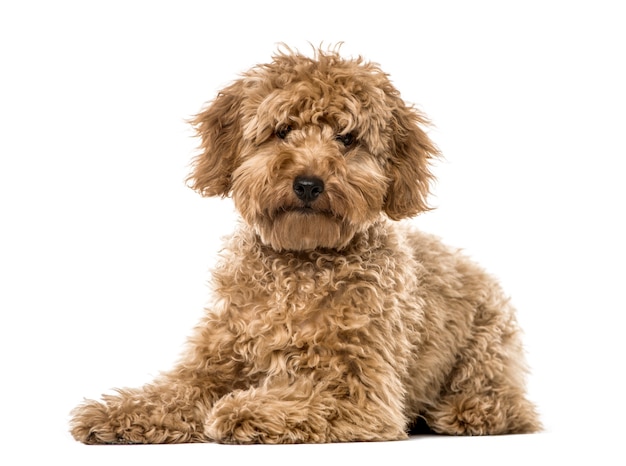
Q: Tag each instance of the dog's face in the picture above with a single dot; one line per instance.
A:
(313, 150)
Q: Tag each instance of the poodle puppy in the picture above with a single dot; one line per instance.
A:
(330, 320)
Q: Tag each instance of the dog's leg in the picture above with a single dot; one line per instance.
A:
(501, 411)
(166, 411)
(173, 409)
(484, 394)
(305, 411)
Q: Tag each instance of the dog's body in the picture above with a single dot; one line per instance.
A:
(330, 321)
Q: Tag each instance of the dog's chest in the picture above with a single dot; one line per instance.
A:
(288, 303)
(308, 297)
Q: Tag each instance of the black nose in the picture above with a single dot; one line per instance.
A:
(308, 188)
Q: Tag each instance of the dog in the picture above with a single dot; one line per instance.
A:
(331, 319)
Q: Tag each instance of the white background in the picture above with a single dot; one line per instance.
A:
(104, 253)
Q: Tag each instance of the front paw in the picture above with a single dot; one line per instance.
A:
(118, 421)
(91, 423)
(135, 416)
(240, 419)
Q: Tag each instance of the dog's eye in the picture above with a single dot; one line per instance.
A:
(346, 139)
(282, 132)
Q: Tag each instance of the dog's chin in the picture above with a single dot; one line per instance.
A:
(305, 230)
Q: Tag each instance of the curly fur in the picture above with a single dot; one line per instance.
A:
(330, 321)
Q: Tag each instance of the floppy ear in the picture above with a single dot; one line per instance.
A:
(408, 167)
(220, 130)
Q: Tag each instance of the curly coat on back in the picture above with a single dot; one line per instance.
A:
(330, 320)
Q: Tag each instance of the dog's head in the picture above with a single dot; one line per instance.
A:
(313, 150)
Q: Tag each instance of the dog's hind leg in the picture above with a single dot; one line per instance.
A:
(493, 412)
(484, 393)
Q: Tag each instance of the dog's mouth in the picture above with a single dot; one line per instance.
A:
(305, 210)
(303, 227)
